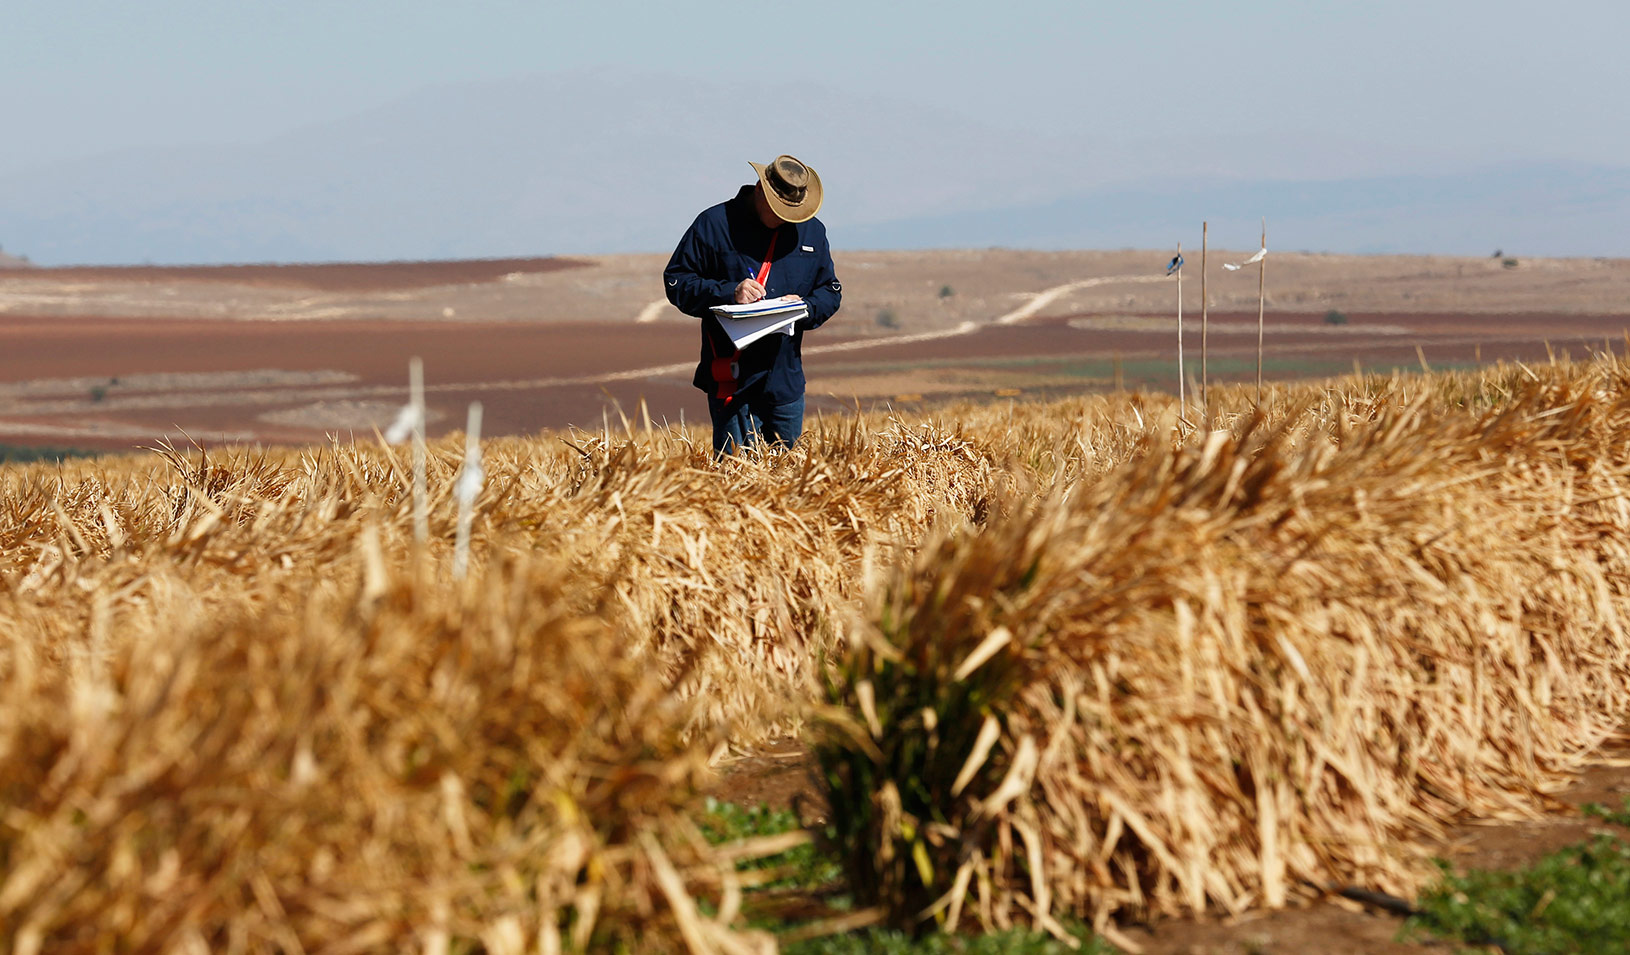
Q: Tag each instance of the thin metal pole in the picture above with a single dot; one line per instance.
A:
(467, 489)
(1205, 308)
(1182, 399)
(421, 521)
(1261, 299)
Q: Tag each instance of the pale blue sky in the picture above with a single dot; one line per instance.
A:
(1400, 85)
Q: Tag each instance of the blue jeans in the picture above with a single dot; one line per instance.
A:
(744, 421)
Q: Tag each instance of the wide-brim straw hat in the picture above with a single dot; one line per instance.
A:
(792, 188)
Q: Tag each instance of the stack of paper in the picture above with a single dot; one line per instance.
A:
(746, 324)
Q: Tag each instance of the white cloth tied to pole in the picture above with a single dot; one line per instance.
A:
(1261, 254)
(402, 428)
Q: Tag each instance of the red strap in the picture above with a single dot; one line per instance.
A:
(725, 369)
(764, 270)
(724, 375)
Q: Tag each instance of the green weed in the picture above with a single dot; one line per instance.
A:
(884, 942)
(25, 454)
(1620, 817)
(815, 872)
(807, 867)
(1576, 900)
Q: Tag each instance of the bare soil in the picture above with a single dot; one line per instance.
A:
(113, 383)
(921, 290)
(112, 358)
(116, 383)
(319, 277)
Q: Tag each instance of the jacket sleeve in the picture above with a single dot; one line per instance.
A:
(827, 293)
(690, 279)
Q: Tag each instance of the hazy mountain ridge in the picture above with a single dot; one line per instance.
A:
(608, 162)
(559, 164)
(1552, 209)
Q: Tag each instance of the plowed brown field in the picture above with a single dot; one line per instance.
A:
(325, 276)
(113, 358)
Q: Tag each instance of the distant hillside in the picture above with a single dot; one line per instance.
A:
(9, 261)
(584, 163)
(1541, 209)
(551, 165)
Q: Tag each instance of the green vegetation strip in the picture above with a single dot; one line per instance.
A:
(809, 870)
(881, 942)
(25, 454)
(806, 867)
(1575, 901)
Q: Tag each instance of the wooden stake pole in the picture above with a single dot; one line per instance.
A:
(1261, 299)
(1205, 309)
(421, 520)
(467, 490)
(1182, 399)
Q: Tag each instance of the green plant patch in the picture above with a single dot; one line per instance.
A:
(817, 873)
(728, 821)
(26, 454)
(882, 942)
(807, 868)
(1576, 901)
(1619, 817)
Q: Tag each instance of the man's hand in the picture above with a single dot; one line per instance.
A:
(748, 292)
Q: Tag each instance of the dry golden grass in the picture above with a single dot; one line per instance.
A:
(346, 760)
(1264, 664)
(245, 711)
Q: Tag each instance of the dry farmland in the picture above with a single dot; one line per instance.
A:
(1078, 660)
(111, 358)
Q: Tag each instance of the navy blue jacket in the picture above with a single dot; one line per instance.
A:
(726, 244)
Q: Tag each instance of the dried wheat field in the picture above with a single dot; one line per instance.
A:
(1081, 660)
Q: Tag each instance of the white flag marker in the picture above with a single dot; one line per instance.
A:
(402, 428)
(1260, 255)
(466, 489)
(1260, 260)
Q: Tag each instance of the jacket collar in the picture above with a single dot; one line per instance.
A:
(745, 211)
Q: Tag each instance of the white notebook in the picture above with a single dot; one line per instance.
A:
(746, 324)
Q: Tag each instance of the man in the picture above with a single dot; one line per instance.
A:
(764, 243)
